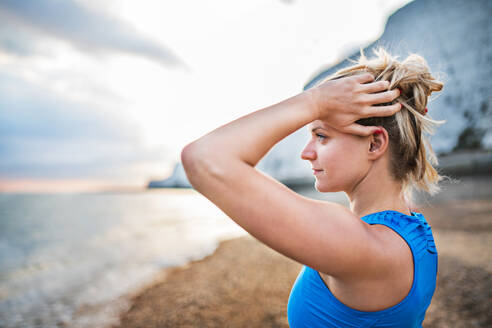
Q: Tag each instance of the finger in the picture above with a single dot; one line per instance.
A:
(375, 87)
(382, 110)
(360, 130)
(364, 77)
(383, 97)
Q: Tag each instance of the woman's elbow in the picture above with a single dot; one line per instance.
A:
(189, 157)
(198, 164)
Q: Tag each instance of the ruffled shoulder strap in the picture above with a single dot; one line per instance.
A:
(413, 228)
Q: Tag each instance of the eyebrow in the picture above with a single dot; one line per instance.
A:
(316, 128)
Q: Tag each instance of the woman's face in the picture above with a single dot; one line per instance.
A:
(340, 158)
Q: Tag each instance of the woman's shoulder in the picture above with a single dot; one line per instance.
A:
(413, 229)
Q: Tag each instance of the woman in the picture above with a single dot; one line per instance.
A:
(373, 264)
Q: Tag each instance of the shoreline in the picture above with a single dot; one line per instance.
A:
(107, 313)
(213, 292)
(246, 284)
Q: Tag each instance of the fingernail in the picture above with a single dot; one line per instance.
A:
(399, 90)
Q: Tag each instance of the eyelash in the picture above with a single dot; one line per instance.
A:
(320, 136)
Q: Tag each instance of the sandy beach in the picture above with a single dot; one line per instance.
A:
(246, 284)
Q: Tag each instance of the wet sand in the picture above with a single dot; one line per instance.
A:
(246, 284)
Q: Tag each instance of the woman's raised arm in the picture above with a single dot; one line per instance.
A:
(323, 235)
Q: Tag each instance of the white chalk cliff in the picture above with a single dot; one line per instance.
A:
(455, 37)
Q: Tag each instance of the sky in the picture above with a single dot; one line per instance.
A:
(103, 95)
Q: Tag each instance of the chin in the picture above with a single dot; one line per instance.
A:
(331, 184)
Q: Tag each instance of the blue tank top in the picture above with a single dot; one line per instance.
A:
(311, 303)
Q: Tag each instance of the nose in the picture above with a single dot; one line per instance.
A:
(308, 153)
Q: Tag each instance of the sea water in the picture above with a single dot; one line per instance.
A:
(70, 260)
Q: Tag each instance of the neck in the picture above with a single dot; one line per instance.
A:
(377, 192)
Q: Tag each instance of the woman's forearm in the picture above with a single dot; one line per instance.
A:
(250, 137)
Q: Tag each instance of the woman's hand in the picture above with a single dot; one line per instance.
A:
(343, 101)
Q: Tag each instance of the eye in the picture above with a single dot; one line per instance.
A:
(320, 136)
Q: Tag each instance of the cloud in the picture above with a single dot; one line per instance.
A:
(44, 135)
(22, 22)
(15, 41)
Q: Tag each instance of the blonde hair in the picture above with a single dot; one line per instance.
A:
(412, 157)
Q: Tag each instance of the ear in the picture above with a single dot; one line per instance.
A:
(379, 142)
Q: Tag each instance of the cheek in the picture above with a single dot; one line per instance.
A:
(343, 160)
(342, 153)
